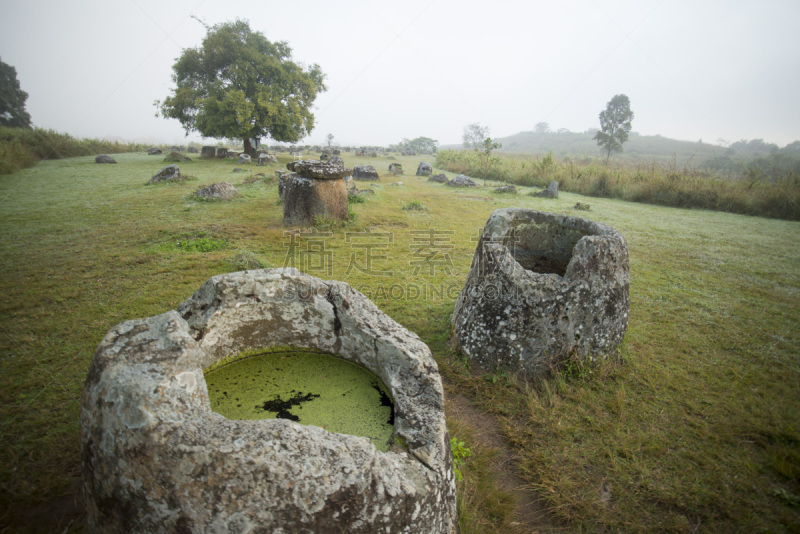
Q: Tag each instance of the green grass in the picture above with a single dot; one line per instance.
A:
(697, 426)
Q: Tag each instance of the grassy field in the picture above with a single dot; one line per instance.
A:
(696, 428)
(775, 194)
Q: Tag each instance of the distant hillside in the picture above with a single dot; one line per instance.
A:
(649, 147)
(639, 148)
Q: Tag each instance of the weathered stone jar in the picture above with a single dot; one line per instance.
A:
(314, 189)
(543, 288)
(155, 458)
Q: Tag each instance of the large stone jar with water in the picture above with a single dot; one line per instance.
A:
(156, 458)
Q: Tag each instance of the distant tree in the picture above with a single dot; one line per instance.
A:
(474, 135)
(329, 139)
(562, 131)
(755, 146)
(424, 145)
(792, 148)
(615, 123)
(12, 99)
(239, 85)
(487, 161)
(541, 128)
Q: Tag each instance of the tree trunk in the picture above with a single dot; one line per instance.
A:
(248, 148)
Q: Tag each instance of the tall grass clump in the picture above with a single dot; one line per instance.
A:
(21, 148)
(751, 192)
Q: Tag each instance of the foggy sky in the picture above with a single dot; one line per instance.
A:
(692, 69)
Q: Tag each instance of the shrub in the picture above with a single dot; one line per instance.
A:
(414, 205)
(754, 191)
(22, 147)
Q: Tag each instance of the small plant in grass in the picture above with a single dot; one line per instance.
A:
(202, 244)
(245, 260)
(199, 243)
(498, 376)
(575, 369)
(355, 199)
(789, 498)
(414, 205)
(325, 222)
(460, 453)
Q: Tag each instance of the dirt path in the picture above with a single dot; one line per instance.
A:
(529, 510)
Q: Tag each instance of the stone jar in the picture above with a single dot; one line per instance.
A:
(542, 288)
(155, 458)
(314, 189)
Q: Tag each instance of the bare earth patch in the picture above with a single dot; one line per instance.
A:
(529, 510)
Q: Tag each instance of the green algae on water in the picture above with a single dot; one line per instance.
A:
(309, 387)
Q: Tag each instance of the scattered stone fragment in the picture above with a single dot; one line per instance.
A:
(550, 192)
(244, 159)
(583, 207)
(461, 181)
(439, 178)
(395, 169)
(170, 173)
(173, 157)
(506, 190)
(220, 191)
(104, 158)
(365, 173)
(264, 158)
(154, 151)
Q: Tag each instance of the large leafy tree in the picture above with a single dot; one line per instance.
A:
(12, 99)
(615, 123)
(239, 85)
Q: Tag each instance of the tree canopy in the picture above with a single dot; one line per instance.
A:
(615, 124)
(424, 145)
(12, 99)
(474, 135)
(239, 85)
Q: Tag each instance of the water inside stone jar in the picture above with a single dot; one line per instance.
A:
(308, 387)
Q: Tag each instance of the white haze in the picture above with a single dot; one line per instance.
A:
(693, 69)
